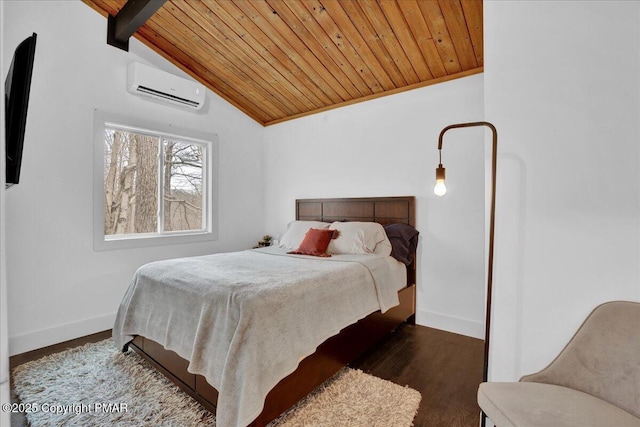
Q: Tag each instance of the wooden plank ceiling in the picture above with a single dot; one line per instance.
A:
(280, 59)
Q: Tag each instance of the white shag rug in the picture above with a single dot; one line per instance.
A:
(97, 385)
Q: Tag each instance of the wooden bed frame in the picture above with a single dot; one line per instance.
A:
(337, 351)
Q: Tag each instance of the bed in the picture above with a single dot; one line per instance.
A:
(247, 362)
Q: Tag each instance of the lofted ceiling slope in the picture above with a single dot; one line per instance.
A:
(281, 59)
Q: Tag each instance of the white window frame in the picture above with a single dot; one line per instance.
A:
(209, 192)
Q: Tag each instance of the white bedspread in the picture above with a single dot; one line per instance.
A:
(246, 319)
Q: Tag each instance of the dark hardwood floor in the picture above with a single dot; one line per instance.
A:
(445, 368)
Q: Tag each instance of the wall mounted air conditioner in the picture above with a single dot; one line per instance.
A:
(161, 86)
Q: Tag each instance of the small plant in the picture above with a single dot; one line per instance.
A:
(266, 241)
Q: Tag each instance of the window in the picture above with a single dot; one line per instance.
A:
(155, 186)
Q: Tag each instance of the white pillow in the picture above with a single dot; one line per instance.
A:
(296, 231)
(360, 238)
(384, 246)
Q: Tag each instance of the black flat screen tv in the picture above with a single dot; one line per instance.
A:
(17, 86)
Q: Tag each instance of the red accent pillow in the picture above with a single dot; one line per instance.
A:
(315, 242)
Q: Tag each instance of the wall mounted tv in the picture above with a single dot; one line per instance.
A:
(16, 97)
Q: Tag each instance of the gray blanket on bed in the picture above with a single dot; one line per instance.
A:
(245, 320)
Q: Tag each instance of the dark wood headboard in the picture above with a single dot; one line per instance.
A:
(384, 210)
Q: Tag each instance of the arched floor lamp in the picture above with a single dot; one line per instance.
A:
(440, 189)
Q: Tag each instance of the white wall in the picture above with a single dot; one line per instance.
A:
(562, 87)
(388, 147)
(58, 287)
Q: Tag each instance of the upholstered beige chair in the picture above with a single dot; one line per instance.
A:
(594, 381)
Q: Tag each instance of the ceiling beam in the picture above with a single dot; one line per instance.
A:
(132, 16)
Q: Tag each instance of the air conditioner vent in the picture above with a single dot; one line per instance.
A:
(167, 96)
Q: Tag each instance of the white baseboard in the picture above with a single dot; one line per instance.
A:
(57, 334)
(450, 324)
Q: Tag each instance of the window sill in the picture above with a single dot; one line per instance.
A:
(129, 242)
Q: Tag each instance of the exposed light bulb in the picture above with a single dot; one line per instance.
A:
(440, 189)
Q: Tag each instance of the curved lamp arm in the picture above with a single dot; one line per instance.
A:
(440, 177)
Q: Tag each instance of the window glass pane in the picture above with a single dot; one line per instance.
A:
(182, 184)
(130, 182)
